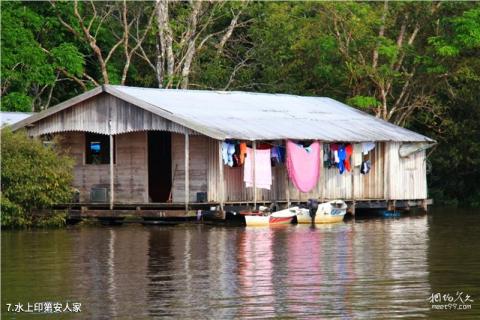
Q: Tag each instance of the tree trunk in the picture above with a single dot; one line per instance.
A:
(191, 38)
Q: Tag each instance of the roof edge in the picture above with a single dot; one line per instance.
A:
(215, 134)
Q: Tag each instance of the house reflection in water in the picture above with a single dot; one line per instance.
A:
(343, 270)
(320, 280)
(255, 272)
(109, 271)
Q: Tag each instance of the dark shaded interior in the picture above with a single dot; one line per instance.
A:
(159, 166)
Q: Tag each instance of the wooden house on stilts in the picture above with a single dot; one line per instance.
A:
(152, 151)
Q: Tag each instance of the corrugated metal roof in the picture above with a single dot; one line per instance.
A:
(252, 116)
(9, 118)
(261, 116)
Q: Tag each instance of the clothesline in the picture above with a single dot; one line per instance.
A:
(296, 141)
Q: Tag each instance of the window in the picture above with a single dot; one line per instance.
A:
(97, 148)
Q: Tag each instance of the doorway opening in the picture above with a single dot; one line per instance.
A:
(159, 166)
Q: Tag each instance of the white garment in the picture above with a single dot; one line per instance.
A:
(367, 146)
(263, 169)
(335, 156)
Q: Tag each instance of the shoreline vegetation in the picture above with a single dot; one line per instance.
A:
(34, 177)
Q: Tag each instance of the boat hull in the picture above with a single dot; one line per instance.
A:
(329, 212)
(255, 221)
(306, 219)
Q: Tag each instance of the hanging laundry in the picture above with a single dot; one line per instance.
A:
(281, 151)
(276, 156)
(348, 154)
(243, 152)
(326, 155)
(225, 152)
(365, 167)
(342, 155)
(236, 155)
(263, 169)
(334, 148)
(230, 152)
(367, 146)
(357, 155)
(303, 167)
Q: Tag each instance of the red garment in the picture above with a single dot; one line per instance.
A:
(263, 146)
(348, 152)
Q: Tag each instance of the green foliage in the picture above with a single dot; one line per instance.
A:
(66, 56)
(363, 102)
(28, 65)
(16, 101)
(467, 28)
(34, 178)
(51, 219)
(23, 61)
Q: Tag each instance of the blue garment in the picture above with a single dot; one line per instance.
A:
(225, 152)
(278, 154)
(341, 156)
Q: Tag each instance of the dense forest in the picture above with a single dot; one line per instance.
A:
(415, 64)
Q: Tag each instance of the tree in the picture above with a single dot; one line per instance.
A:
(183, 30)
(30, 72)
(106, 27)
(456, 161)
(34, 177)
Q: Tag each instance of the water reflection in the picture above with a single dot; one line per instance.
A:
(255, 253)
(363, 269)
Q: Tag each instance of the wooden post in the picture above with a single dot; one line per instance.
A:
(111, 166)
(353, 183)
(424, 205)
(391, 205)
(221, 186)
(254, 145)
(187, 171)
(287, 181)
(287, 189)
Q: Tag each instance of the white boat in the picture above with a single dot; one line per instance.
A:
(328, 212)
(276, 218)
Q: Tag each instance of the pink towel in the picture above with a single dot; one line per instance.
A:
(303, 166)
(263, 169)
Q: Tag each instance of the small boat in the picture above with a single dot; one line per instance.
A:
(328, 212)
(390, 214)
(276, 218)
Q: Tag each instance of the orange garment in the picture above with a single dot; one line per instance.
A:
(348, 152)
(243, 152)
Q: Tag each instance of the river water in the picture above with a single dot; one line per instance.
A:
(363, 268)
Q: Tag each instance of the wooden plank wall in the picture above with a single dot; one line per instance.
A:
(213, 177)
(407, 177)
(198, 167)
(131, 168)
(331, 185)
(92, 115)
(354, 185)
